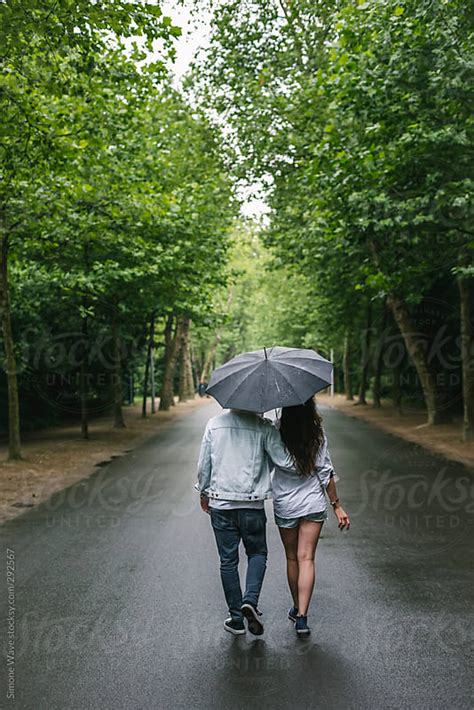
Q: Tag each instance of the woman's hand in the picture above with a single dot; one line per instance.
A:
(342, 518)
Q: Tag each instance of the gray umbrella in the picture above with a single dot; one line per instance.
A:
(266, 379)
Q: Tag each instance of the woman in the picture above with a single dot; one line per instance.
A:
(299, 502)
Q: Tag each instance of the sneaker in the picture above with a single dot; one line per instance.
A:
(234, 626)
(251, 613)
(292, 614)
(301, 625)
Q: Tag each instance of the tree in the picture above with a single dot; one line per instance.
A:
(116, 205)
(347, 111)
(44, 92)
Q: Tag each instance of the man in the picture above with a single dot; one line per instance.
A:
(238, 451)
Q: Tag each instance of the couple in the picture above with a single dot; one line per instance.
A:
(238, 452)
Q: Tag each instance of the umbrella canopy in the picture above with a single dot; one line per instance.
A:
(266, 379)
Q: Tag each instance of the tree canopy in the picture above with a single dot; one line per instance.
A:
(123, 257)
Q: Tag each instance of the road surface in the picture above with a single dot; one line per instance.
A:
(118, 602)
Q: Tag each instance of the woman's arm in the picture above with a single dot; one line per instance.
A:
(327, 477)
(341, 515)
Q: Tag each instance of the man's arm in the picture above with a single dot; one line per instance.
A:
(204, 463)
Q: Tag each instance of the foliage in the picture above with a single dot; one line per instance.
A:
(115, 201)
(358, 118)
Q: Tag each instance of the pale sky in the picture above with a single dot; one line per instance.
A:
(195, 35)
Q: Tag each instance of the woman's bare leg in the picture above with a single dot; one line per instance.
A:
(308, 535)
(289, 538)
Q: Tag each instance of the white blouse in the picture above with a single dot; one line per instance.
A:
(294, 495)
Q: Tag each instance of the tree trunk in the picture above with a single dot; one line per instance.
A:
(190, 386)
(83, 385)
(346, 363)
(145, 382)
(206, 368)
(467, 358)
(184, 361)
(395, 366)
(194, 371)
(152, 381)
(131, 388)
(171, 357)
(416, 350)
(379, 357)
(83, 374)
(147, 367)
(152, 365)
(397, 389)
(14, 443)
(365, 357)
(119, 422)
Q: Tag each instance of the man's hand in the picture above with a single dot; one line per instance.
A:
(205, 504)
(342, 517)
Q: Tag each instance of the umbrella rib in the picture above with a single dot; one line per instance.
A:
(289, 382)
(298, 353)
(298, 367)
(242, 382)
(224, 392)
(233, 374)
(294, 356)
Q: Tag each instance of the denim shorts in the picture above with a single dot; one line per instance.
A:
(319, 517)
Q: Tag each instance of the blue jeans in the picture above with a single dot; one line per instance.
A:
(230, 527)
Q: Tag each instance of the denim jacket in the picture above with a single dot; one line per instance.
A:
(238, 453)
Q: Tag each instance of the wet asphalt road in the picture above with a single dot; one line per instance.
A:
(119, 605)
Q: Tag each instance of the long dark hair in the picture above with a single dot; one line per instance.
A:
(302, 433)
